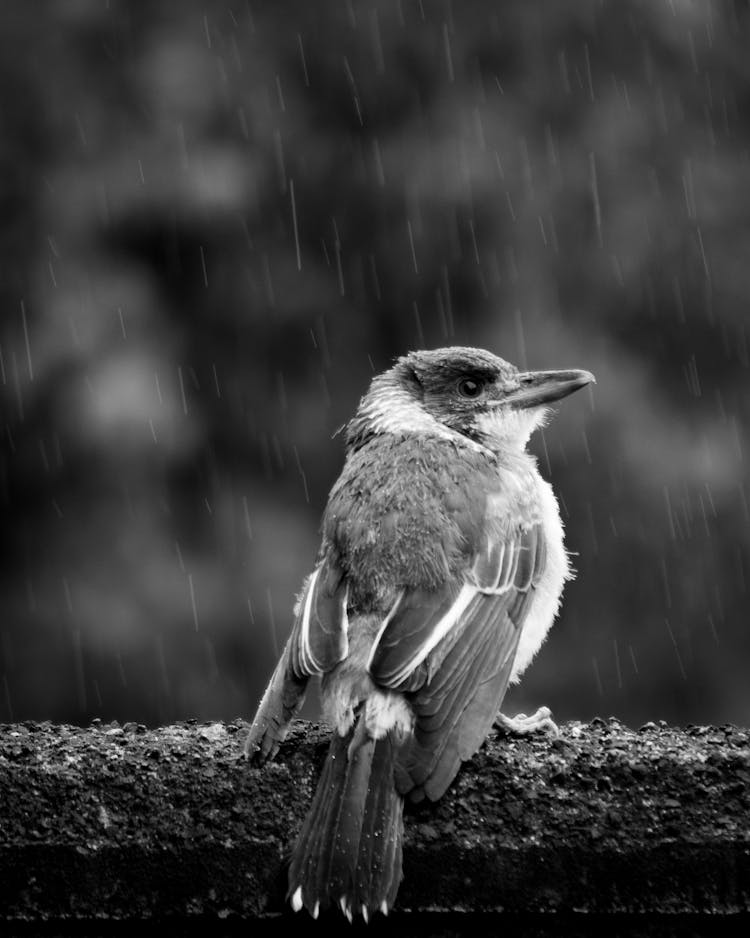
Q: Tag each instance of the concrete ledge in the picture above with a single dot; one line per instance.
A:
(124, 823)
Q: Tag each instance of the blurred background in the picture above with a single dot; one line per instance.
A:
(220, 218)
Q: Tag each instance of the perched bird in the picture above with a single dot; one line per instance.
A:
(439, 574)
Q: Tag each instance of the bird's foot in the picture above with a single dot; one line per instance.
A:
(261, 743)
(521, 725)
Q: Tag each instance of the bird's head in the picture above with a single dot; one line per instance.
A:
(461, 392)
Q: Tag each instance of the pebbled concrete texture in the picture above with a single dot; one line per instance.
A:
(129, 823)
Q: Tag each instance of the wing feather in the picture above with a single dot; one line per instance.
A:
(488, 565)
(460, 727)
(421, 621)
(451, 651)
(319, 638)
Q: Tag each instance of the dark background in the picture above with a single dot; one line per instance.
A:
(219, 219)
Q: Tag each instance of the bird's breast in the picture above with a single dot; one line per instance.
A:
(544, 606)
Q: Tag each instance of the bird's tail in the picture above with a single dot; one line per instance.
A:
(349, 850)
(282, 700)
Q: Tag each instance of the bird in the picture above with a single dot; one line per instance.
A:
(440, 571)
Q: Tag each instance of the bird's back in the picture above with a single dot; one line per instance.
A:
(408, 512)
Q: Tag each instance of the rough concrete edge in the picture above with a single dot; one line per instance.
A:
(501, 840)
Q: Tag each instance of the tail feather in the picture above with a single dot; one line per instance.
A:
(282, 700)
(349, 849)
(379, 861)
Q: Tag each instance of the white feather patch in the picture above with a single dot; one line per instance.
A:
(386, 711)
(339, 706)
(306, 658)
(394, 410)
(546, 598)
(510, 426)
(308, 661)
(383, 627)
(439, 631)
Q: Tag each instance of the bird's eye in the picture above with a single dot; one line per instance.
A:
(468, 387)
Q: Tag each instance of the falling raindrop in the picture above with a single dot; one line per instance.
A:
(302, 474)
(211, 664)
(595, 197)
(203, 266)
(337, 252)
(375, 279)
(448, 53)
(670, 515)
(411, 246)
(180, 561)
(43, 454)
(246, 511)
(676, 649)
(280, 93)
(280, 162)
(586, 449)
(418, 322)
(617, 663)
(121, 668)
(379, 172)
(193, 602)
(302, 58)
(294, 223)
(597, 677)
(182, 390)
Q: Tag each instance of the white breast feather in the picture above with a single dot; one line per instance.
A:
(546, 601)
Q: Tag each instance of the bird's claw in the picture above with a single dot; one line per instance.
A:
(521, 725)
(260, 745)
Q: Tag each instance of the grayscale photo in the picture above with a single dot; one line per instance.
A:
(375, 398)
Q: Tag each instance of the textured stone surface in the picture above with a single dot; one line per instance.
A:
(121, 822)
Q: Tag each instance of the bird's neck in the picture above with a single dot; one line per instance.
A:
(391, 408)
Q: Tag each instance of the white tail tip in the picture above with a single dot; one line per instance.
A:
(296, 899)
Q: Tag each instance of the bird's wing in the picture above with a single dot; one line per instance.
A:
(319, 635)
(451, 651)
(317, 643)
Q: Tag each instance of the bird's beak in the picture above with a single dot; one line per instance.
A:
(543, 387)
